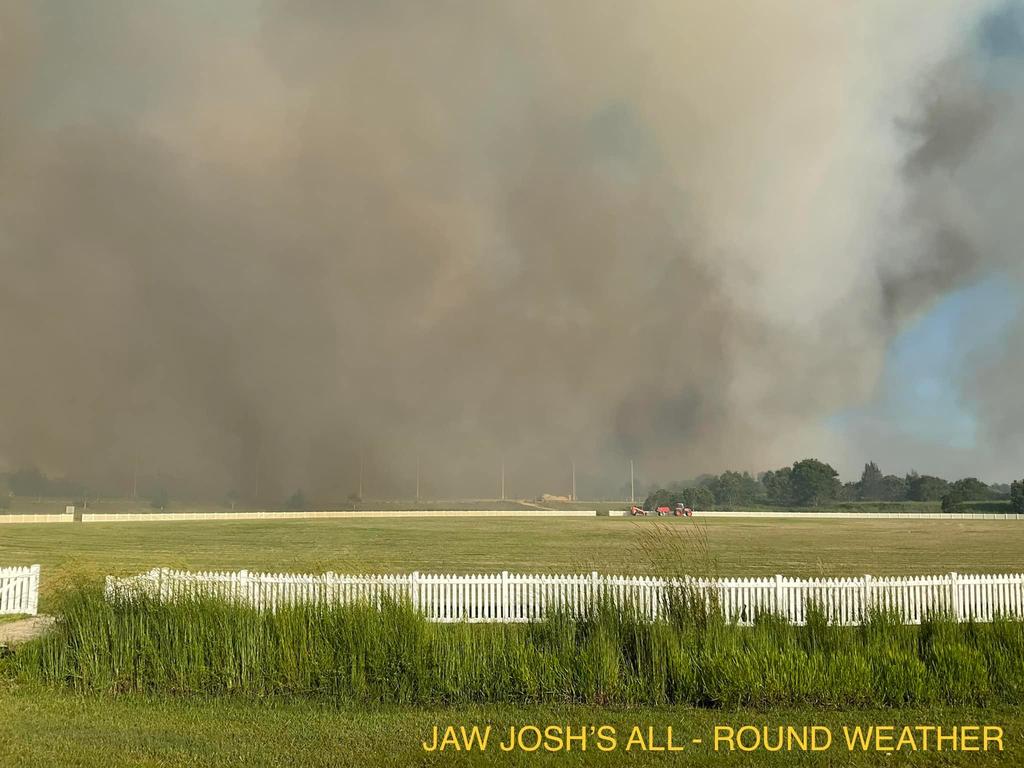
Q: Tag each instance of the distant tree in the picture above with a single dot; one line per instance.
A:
(972, 489)
(967, 489)
(813, 482)
(734, 488)
(849, 492)
(926, 487)
(28, 482)
(952, 500)
(703, 481)
(696, 498)
(66, 488)
(160, 499)
(893, 488)
(83, 498)
(871, 481)
(778, 486)
(1001, 489)
(1017, 497)
(297, 501)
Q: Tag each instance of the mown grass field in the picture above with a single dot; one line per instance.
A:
(50, 726)
(611, 545)
(40, 727)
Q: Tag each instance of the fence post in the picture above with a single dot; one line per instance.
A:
(33, 590)
(504, 595)
(327, 596)
(243, 586)
(866, 599)
(954, 589)
(414, 589)
(779, 595)
(595, 590)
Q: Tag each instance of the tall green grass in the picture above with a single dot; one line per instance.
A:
(360, 653)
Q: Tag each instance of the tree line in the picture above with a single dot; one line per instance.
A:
(807, 483)
(33, 482)
(812, 482)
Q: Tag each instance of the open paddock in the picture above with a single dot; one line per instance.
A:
(737, 547)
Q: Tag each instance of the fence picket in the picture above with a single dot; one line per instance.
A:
(516, 597)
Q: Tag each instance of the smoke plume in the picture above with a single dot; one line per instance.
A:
(252, 249)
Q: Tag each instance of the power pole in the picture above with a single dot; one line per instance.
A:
(256, 481)
(632, 494)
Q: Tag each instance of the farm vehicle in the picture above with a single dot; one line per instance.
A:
(681, 510)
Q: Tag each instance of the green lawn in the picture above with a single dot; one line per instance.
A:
(741, 547)
(45, 728)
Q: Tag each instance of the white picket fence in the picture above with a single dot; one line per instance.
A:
(508, 597)
(19, 590)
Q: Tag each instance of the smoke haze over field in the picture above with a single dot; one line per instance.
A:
(243, 247)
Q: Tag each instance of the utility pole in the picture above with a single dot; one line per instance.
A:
(256, 478)
(573, 480)
(632, 494)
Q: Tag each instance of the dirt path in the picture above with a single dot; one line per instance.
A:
(535, 506)
(14, 632)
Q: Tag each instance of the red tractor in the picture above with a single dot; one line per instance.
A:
(664, 511)
(638, 511)
(683, 511)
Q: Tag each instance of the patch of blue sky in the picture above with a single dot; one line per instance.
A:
(920, 392)
(1001, 34)
(999, 47)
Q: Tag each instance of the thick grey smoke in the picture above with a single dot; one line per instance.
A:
(245, 248)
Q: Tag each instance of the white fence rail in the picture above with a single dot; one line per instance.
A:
(507, 597)
(66, 517)
(781, 513)
(19, 590)
(150, 517)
